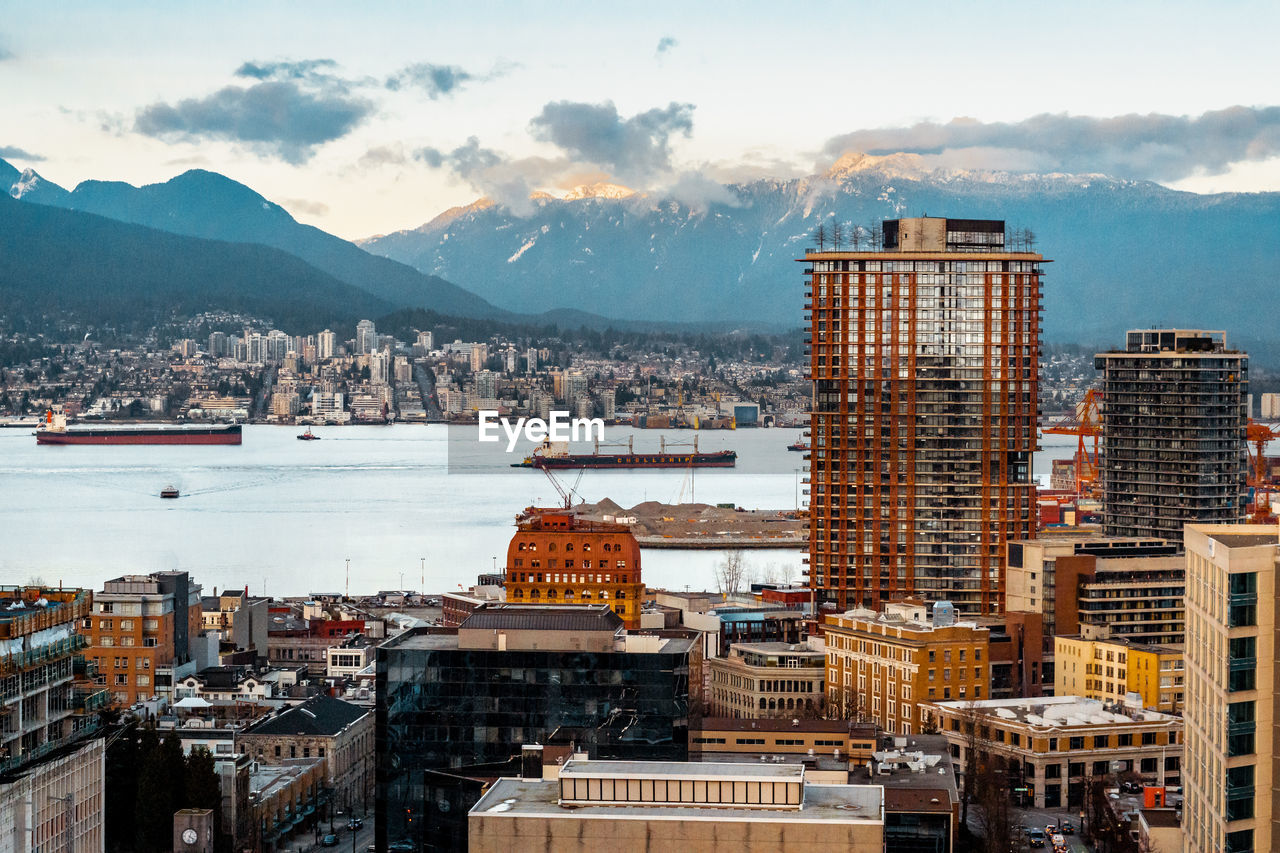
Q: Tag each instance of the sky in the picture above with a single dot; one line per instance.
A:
(368, 118)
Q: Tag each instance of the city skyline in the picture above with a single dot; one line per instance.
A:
(386, 121)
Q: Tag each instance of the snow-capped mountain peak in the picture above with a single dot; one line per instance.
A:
(600, 189)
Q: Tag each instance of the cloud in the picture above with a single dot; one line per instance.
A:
(698, 192)
(292, 109)
(1153, 146)
(435, 80)
(303, 69)
(636, 149)
(14, 152)
(665, 45)
(383, 155)
(302, 205)
(507, 181)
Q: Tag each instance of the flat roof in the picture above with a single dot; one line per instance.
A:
(774, 724)
(1246, 540)
(419, 639)
(863, 804)
(683, 770)
(1055, 711)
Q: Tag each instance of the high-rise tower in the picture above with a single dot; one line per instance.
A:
(924, 356)
(1174, 415)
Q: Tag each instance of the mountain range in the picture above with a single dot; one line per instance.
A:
(99, 271)
(1128, 254)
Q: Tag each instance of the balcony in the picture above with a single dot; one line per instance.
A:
(89, 700)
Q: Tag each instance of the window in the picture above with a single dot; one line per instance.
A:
(1076, 743)
(277, 752)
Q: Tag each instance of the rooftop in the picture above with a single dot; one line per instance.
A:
(682, 770)
(319, 715)
(733, 724)
(822, 804)
(1246, 540)
(1058, 711)
(542, 617)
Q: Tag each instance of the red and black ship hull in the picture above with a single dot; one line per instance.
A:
(216, 434)
(719, 459)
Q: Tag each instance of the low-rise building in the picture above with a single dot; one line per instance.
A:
(767, 680)
(226, 683)
(1050, 747)
(885, 666)
(634, 805)
(322, 727)
(852, 742)
(1110, 669)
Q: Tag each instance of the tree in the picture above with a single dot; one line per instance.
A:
(820, 236)
(154, 802)
(837, 234)
(120, 791)
(730, 572)
(991, 794)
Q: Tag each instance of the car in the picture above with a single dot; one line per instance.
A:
(1067, 828)
(1035, 837)
(355, 823)
(402, 847)
(329, 840)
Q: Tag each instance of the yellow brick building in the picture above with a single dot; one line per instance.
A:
(1108, 669)
(881, 666)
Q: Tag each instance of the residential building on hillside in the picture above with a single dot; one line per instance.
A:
(924, 359)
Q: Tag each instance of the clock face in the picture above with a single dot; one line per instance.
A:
(190, 836)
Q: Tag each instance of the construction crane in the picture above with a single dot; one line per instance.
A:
(566, 497)
(1085, 424)
(1258, 435)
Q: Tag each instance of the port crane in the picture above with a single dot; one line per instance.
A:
(566, 497)
(1086, 424)
(1258, 435)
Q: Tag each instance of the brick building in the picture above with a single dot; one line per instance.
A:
(321, 727)
(141, 631)
(557, 558)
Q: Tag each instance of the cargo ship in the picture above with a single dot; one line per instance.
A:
(556, 455)
(56, 431)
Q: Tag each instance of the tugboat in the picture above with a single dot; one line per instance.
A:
(308, 436)
(799, 445)
(169, 492)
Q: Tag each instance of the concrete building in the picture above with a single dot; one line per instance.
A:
(1109, 670)
(1173, 433)
(51, 765)
(321, 727)
(760, 680)
(634, 805)
(141, 634)
(1054, 745)
(886, 667)
(1232, 748)
(1270, 407)
(1127, 589)
(840, 739)
(239, 619)
(521, 674)
(366, 337)
(924, 361)
(557, 558)
(326, 344)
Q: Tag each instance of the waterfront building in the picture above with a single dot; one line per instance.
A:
(141, 634)
(885, 667)
(557, 558)
(1053, 747)
(633, 805)
(51, 761)
(1109, 670)
(512, 675)
(924, 360)
(1174, 413)
(760, 680)
(1231, 688)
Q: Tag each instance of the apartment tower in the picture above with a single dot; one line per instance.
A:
(1231, 739)
(924, 357)
(1174, 414)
